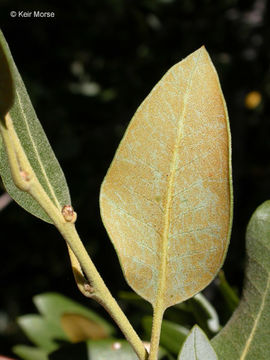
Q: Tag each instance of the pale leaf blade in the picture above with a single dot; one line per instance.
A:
(53, 306)
(30, 353)
(197, 347)
(166, 200)
(246, 335)
(42, 332)
(106, 349)
(204, 313)
(36, 146)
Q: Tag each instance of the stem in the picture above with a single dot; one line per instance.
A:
(25, 179)
(100, 292)
(156, 329)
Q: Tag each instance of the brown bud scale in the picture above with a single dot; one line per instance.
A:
(69, 214)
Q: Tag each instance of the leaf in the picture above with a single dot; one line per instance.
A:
(80, 328)
(35, 144)
(172, 335)
(30, 353)
(53, 306)
(118, 350)
(166, 200)
(108, 349)
(197, 347)
(135, 300)
(6, 84)
(246, 335)
(229, 294)
(204, 313)
(181, 314)
(41, 332)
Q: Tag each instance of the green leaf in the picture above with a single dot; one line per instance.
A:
(197, 347)
(53, 306)
(113, 350)
(35, 145)
(246, 335)
(181, 314)
(166, 200)
(6, 82)
(100, 350)
(230, 296)
(204, 313)
(30, 353)
(172, 335)
(135, 300)
(42, 332)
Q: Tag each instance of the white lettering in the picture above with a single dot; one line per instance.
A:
(24, 13)
(44, 14)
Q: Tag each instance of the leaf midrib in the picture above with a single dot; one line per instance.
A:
(195, 342)
(37, 154)
(167, 208)
(256, 321)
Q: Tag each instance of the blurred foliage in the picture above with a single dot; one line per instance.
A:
(64, 329)
(87, 70)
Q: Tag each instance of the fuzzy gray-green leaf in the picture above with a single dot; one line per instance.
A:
(33, 141)
(6, 85)
(246, 336)
(197, 347)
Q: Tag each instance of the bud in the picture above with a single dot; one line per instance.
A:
(69, 214)
(25, 175)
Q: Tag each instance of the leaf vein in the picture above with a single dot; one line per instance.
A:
(256, 322)
(132, 216)
(37, 154)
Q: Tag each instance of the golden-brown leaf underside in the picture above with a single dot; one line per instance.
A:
(166, 200)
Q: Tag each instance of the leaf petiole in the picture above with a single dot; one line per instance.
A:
(156, 329)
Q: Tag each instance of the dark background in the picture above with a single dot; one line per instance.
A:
(86, 71)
